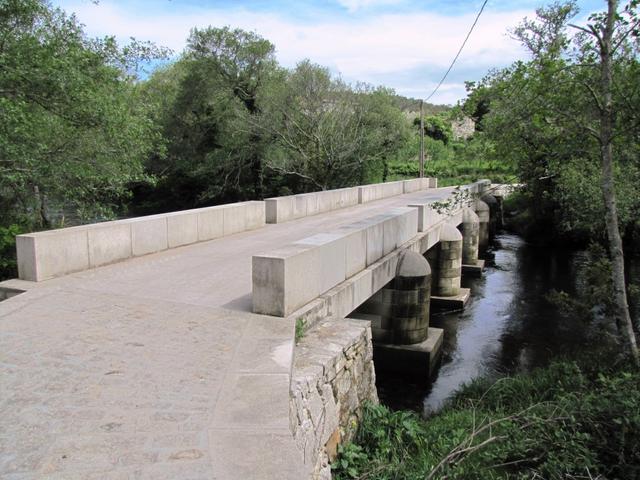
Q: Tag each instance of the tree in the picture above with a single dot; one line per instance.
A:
(437, 128)
(603, 30)
(207, 106)
(560, 135)
(327, 133)
(243, 60)
(73, 133)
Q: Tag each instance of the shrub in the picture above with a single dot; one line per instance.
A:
(563, 421)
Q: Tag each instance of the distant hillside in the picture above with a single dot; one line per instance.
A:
(412, 105)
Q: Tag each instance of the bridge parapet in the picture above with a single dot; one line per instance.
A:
(292, 207)
(45, 255)
(290, 277)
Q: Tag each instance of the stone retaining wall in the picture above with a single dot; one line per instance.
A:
(333, 376)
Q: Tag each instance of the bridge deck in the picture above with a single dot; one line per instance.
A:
(155, 367)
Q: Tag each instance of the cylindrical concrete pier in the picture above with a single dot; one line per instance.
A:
(491, 201)
(449, 271)
(484, 217)
(470, 237)
(411, 297)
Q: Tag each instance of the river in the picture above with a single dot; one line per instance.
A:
(508, 326)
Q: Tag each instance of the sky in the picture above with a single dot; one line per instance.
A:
(403, 44)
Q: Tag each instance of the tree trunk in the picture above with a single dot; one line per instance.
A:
(608, 185)
(40, 210)
(257, 169)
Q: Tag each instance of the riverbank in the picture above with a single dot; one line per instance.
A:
(553, 411)
(572, 419)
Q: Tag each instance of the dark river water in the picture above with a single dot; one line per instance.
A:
(507, 327)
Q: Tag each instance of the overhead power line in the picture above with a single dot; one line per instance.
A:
(459, 51)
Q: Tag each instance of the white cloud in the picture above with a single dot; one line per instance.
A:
(362, 49)
(355, 5)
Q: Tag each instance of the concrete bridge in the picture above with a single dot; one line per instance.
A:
(163, 346)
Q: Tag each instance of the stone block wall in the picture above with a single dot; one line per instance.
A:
(333, 376)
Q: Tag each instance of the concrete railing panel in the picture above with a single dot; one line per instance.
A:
(286, 279)
(377, 191)
(292, 207)
(65, 251)
(45, 255)
(108, 243)
(149, 235)
(182, 229)
(210, 223)
(427, 216)
(418, 184)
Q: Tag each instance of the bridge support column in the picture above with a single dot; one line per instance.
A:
(471, 265)
(447, 291)
(399, 315)
(411, 298)
(484, 217)
(494, 207)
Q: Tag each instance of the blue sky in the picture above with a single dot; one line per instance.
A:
(402, 44)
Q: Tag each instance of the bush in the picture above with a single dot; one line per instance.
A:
(8, 266)
(563, 421)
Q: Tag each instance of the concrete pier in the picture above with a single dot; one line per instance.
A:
(471, 264)
(484, 217)
(494, 208)
(447, 291)
(449, 263)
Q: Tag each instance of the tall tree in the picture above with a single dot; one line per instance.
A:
(603, 29)
(243, 60)
(576, 143)
(328, 133)
(72, 132)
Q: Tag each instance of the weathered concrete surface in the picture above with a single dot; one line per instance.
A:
(101, 385)
(456, 302)
(54, 253)
(419, 359)
(289, 277)
(154, 367)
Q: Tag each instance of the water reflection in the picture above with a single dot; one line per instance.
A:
(507, 327)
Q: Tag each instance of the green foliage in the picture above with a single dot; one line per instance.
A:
(300, 329)
(551, 134)
(436, 128)
(8, 267)
(456, 163)
(73, 133)
(595, 295)
(563, 421)
(329, 134)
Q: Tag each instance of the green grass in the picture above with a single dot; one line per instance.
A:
(564, 421)
(300, 329)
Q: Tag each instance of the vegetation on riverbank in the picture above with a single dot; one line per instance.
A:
(568, 420)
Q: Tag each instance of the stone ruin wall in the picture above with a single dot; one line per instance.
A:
(333, 376)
